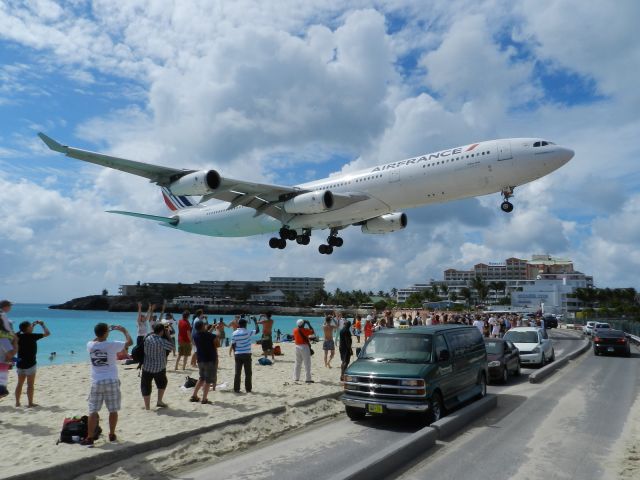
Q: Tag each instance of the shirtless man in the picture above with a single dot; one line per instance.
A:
(267, 338)
(329, 345)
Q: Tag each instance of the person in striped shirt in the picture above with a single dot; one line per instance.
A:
(241, 345)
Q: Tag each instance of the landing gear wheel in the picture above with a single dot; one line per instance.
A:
(322, 249)
(282, 243)
(506, 206)
(335, 241)
(306, 239)
(339, 242)
(274, 242)
(292, 234)
(329, 250)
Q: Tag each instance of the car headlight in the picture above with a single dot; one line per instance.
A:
(411, 383)
(349, 378)
(495, 363)
(536, 350)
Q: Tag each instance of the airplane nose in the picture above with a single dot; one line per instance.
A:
(565, 154)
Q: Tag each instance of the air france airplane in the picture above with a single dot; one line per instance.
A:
(372, 199)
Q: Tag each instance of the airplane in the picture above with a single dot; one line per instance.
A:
(372, 198)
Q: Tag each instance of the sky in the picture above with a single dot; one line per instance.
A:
(287, 92)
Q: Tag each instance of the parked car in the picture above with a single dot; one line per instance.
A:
(426, 370)
(503, 359)
(611, 341)
(588, 328)
(550, 321)
(534, 344)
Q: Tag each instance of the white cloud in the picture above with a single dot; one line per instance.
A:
(250, 88)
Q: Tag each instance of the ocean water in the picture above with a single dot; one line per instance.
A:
(72, 329)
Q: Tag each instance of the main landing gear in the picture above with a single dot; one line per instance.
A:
(288, 234)
(333, 240)
(506, 205)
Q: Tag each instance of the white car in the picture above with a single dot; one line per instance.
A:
(534, 344)
(600, 326)
(588, 328)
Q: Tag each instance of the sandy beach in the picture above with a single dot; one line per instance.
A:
(61, 391)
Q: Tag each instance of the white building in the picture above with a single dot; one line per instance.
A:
(553, 295)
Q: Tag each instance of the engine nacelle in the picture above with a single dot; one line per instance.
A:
(388, 223)
(312, 202)
(196, 183)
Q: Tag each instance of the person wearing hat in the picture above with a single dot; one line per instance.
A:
(303, 350)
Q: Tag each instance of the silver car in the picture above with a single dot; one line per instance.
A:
(534, 344)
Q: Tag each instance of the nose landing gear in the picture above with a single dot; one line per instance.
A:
(506, 205)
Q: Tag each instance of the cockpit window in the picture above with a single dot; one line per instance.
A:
(536, 144)
(542, 143)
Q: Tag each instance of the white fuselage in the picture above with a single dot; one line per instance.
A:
(462, 172)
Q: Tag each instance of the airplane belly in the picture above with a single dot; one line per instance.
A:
(238, 223)
(356, 212)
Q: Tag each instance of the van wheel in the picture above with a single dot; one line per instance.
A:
(436, 408)
(482, 382)
(355, 413)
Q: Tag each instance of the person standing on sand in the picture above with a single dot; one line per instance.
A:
(105, 385)
(267, 338)
(196, 316)
(345, 348)
(184, 340)
(357, 327)
(5, 308)
(154, 367)
(303, 350)
(8, 348)
(207, 350)
(143, 322)
(26, 366)
(329, 345)
(241, 345)
(368, 327)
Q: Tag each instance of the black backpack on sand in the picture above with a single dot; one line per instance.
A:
(75, 429)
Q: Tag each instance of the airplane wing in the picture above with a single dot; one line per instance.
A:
(264, 198)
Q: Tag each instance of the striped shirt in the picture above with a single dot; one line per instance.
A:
(155, 353)
(241, 339)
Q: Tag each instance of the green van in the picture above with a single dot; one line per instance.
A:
(416, 369)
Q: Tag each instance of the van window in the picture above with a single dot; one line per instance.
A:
(439, 346)
(400, 347)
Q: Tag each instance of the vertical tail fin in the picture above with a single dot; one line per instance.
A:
(175, 202)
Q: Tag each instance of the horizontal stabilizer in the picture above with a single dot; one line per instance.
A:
(173, 221)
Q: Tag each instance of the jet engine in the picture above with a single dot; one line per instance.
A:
(196, 183)
(388, 223)
(311, 202)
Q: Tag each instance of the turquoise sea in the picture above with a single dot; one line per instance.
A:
(72, 329)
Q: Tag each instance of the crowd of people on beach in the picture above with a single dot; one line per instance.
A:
(195, 339)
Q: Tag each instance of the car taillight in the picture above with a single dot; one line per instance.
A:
(597, 339)
(622, 340)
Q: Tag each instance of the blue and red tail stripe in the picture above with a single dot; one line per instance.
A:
(175, 202)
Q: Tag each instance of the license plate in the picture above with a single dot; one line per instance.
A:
(610, 349)
(375, 408)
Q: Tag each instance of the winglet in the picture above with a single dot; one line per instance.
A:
(52, 144)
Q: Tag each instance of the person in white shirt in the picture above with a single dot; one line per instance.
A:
(105, 385)
(479, 324)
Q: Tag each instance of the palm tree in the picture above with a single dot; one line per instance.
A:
(502, 286)
(444, 288)
(466, 294)
(479, 285)
(493, 287)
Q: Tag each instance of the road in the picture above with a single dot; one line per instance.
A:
(565, 430)
(323, 450)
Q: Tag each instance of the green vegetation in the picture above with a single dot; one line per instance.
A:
(609, 302)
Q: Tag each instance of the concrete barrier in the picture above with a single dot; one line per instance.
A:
(385, 463)
(539, 375)
(457, 420)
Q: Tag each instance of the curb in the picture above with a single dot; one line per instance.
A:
(457, 420)
(82, 466)
(388, 461)
(539, 375)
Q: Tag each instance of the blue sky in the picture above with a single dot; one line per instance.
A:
(301, 95)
